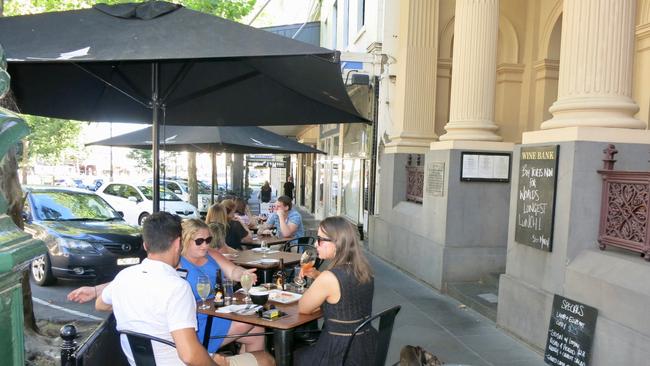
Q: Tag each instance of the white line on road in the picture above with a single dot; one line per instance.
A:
(74, 312)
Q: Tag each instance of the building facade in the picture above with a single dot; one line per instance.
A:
(490, 78)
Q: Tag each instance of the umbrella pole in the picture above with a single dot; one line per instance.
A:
(213, 160)
(155, 134)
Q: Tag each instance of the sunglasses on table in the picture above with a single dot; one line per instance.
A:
(320, 239)
(200, 241)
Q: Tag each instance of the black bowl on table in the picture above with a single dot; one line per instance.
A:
(259, 297)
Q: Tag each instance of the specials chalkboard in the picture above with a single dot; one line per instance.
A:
(570, 333)
(536, 196)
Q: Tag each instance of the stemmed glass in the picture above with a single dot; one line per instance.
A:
(264, 247)
(307, 261)
(246, 281)
(203, 288)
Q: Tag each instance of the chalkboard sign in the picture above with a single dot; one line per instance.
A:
(536, 196)
(570, 333)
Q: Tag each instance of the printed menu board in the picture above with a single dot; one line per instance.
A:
(570, 333)
(536, 196)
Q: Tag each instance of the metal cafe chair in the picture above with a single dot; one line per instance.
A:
(141, 347)
(385, 330)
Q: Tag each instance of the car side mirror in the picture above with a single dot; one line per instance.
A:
(25, 216)
(133, 199)
(178, 191)
(121, 213)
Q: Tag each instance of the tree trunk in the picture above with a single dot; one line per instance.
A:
(191, 179)
(25, 162)
(10, 185)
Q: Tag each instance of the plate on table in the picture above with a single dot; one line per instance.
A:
(261, 249)
(231, 256)
(269, 261)
(283, 297)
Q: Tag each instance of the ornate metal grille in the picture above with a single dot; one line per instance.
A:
(624, 208)
(414, 178)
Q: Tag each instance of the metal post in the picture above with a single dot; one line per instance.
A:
(213, 161)
(155, 136)
(68, 333)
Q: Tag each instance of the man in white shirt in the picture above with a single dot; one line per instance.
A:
(151, 298)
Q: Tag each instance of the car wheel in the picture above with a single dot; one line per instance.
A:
(42, 271)
(143, 216)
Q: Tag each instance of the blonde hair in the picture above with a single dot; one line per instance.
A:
(348, 249)
(217, 214)
(190, 228)
(218, 232)
(230, 206)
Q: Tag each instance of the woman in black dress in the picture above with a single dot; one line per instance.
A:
(344, 292)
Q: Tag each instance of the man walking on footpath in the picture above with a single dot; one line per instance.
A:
(289, 187)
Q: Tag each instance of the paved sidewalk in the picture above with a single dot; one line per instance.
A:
(442, 325)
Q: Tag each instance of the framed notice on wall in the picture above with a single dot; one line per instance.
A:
(536, 196)
(484, 167)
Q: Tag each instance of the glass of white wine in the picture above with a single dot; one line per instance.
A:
(246, 283)
(264, 248)
(203, 288)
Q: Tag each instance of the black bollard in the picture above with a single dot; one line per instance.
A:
(68, 333)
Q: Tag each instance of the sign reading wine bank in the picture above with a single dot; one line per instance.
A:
(536, 196)
(570, 333)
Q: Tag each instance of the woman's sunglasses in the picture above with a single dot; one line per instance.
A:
(200, 241)
(320, 239)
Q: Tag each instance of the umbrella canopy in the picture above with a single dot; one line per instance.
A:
(158, 61)
(96, 65)
(240, 140)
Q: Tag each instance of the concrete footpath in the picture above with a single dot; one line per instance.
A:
(442, 325)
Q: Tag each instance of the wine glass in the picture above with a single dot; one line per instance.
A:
(246, 281)
(203, 288)
(307, 261)
(264, 248)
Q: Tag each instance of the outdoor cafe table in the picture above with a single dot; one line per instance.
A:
(250, 259)
(283, 328)
(269, 239)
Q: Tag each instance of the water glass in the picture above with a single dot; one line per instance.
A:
(228, 291)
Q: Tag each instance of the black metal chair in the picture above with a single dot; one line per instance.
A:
(141, 347)
(386, 321)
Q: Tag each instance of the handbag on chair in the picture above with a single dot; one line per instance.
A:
(417, 356)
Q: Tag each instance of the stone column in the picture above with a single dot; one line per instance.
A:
(414, 101)
(595, 86)
(473, 83)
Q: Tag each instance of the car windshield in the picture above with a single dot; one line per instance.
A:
(204, 188)
(71, 206)
(165, 195)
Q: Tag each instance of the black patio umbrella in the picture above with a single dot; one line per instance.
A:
(159, 61)
(240, 140)
(203, 139)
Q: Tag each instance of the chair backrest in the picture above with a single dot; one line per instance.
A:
(141, 347)
(386, 321)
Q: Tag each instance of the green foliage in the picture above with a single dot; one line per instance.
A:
(230, 9)
(50, 137)
(142, 158)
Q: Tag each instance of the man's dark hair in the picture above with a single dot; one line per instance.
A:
(286, 201)
(160, 230)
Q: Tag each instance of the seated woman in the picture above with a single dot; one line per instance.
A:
(217, 221)
(236, 232)
(198, 259)
(242, 213)
(344, 292)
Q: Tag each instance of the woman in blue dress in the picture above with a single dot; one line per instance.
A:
(199, 259)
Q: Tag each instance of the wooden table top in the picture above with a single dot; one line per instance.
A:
(245, 257)
(293, 318)
(270, 240)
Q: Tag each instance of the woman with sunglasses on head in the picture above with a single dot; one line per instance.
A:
(344, 292)
(199, 259)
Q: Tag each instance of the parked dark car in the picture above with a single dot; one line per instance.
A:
(85, 237)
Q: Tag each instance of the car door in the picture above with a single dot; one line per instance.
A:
(116, 194)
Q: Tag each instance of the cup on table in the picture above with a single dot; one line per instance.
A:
(228, 291)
